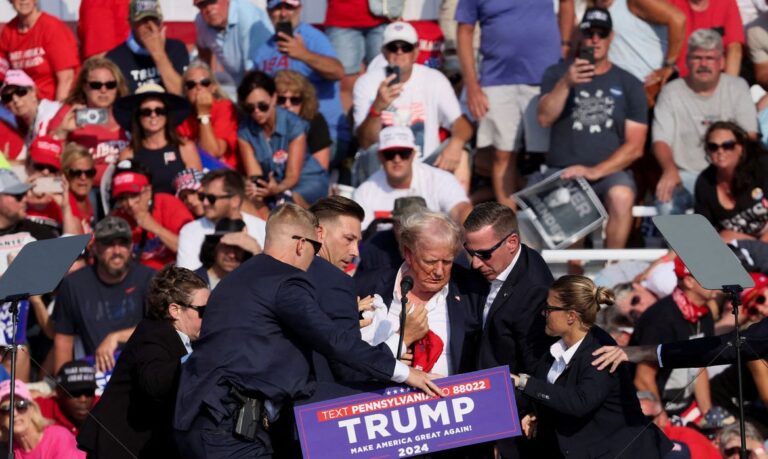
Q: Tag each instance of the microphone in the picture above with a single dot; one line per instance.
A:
(406, 285)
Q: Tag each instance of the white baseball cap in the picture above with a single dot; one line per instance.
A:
(400, 31)
(396, 137)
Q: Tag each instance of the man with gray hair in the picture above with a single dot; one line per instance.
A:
(685, 108)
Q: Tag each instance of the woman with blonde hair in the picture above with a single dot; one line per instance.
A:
(297, 95)
(583, 412)
(79, 172)
(212, 122)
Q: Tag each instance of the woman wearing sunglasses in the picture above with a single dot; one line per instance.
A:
(134, 417)
(33, 435)
(212, 122)
(79, 172)
(583, 412)
(731, 192)
(151, 115)
(273, 146)
(297, 95)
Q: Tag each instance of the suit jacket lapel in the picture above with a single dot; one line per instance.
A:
(456, 321)
(512, 280)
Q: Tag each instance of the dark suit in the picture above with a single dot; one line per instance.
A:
(261, 325)
(717, 350)
(137, 405)
(588, 413)
(466, 296)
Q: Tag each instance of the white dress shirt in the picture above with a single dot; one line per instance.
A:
(497, 283)
(562, 357)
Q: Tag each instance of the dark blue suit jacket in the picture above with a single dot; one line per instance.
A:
(261, 325)
(466, 297)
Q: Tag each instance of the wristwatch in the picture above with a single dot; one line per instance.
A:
(204, 119)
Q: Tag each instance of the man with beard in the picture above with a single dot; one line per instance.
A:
(686, 107)
(99, 306)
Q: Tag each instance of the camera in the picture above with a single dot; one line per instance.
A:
(85, 116)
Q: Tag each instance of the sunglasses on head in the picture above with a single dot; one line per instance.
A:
(199, 309)
(18, 91)
(404, 154)
(96, 85)
(192, 84)
(21, 406)
(202, 4)
(294, 100)
(486, 254)
(76, 173)
(601, 33)
(212, 197)
(261, 106)
(147, 112)
(40, 167)
(728, 145)
(396, 46)
(316, 245)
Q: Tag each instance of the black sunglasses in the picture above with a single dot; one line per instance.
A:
(549, 308)
(18, 197)
(601, 33)
(404, 154)
(212, 197)
(19, 91)
(192, 84)
(317, 245)
(21, 406)
(40, 167)
(396, 46)
(250, 108)
(81, 393)
(295, 100)
(200, 309)
(147, 112)
(486, 254)
(728, 145)
(202, 4)
(96, 85)
(75, 173)
(736, 450)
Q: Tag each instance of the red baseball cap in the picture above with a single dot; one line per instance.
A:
(749, 294)
(128, 182)
(46, 150)
(681, 270)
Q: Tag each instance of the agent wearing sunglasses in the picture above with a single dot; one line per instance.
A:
(152, 115)
(580, 407)
(98, 85)
(309, 52)
(212, 122)
(678, 133)
(273, 147)
(137, 404)
(33, 435)
(729, 193)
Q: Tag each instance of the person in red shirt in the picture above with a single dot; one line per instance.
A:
(212, 122)
(720, 15)
(75, 396)
(155, 218)
(42, 46)
(102, 25)
(78, 172)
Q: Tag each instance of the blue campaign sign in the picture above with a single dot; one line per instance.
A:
(400, 421)
(6, 323)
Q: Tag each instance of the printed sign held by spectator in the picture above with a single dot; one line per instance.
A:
(562, 211)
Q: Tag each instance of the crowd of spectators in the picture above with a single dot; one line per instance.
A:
(174, 153)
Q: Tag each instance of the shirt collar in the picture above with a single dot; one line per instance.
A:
(185, 340)
(559, 351)
(134, 45)
(504, 274)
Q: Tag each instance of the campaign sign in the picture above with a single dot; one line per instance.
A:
(102, 377)
(6, 323)
(401, 421)
(563, 211)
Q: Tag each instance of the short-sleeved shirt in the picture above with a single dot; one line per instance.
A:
(748, 216)
(681, 117)
(91, 309)
(56, 442)
(139, 68)
(350, 14)
(269, 60)
(248, 26)
(224, 123)
(439, 188)
(48, 47)
(102, 25)
(426, 103)
(721, 15)
(591, 126)
(272, 153)
(318, 136)
(104, 143)
(504, 23)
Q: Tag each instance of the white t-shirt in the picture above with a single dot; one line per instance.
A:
(426, 104)
(193, 234)
(439, 188)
